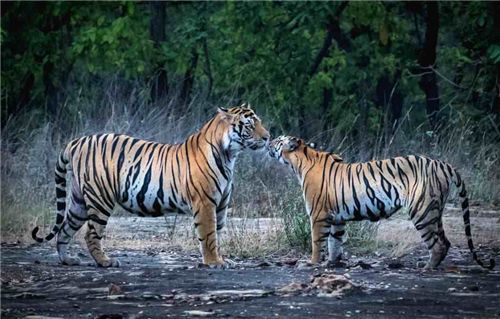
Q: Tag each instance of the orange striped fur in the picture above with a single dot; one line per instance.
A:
(151, 179)
(336, 192)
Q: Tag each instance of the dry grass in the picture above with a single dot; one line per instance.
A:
(263, 188)
(242, 237)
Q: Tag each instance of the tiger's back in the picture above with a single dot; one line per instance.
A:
(380, 188)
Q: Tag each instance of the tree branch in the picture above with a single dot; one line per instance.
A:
(332, 32)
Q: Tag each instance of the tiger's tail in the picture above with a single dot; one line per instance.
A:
(465, 211)
(60, 177)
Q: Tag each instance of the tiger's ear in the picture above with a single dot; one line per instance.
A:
(222, 110)
(225, 114)
(246, 105)
(293, 144)
(336, 158)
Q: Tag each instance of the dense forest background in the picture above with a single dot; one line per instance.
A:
(363, 79)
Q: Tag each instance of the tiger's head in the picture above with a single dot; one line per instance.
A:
(283, 146)
(246, 130)
(288, 149)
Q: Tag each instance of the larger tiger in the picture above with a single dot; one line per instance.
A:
(151, 179)
(337, 192)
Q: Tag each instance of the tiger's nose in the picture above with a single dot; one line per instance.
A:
(266, 136)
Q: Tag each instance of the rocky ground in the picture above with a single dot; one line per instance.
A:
(161, 283)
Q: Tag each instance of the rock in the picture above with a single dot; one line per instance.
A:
(199, 313)
(150, 295)
(264, 264)
(116, 297)
(396, 264)
(364, 265)
(111, 316)
(473, 288)
(25, 295)
(239, 293)
(336, 264)
(453, 269)
(289, 262)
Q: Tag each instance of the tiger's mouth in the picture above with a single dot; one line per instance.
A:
(272, 152)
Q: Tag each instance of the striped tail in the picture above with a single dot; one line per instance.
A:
(60, 176)
(465, 212)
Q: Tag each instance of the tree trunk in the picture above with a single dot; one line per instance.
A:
(188, 81)
(51, 96)
(364, 151)
(427, 60)
(333, 32)
(327, 101)
(390, 100)
(494, 11)
(54, 78)
(207, 69)
(159, 88)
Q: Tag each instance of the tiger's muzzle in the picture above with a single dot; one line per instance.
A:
(271, 150)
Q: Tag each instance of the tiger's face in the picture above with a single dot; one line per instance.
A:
(246, 128)
(283, 146)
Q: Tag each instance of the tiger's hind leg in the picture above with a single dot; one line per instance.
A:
(430, 227)
(335, 241)
(75, 219)
(95, 232)
(441, 247)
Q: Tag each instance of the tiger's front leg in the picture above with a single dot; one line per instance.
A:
(205, 222)
(221, 214)
(320, 230)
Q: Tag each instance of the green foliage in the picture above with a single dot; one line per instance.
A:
(262, 52)
(494, 53)
(112, 43)
(296, 224)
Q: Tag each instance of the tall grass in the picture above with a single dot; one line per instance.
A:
(263, 188)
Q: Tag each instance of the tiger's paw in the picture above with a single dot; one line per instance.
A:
(111, 262)
(228, 263)
(218, 264)
(71, 261)
(212, 266)
(427, 267)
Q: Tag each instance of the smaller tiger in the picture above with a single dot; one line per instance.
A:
(336, 192)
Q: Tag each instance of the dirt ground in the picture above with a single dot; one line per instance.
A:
(162, 283)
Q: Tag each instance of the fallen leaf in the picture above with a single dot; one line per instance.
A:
(114, 290)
